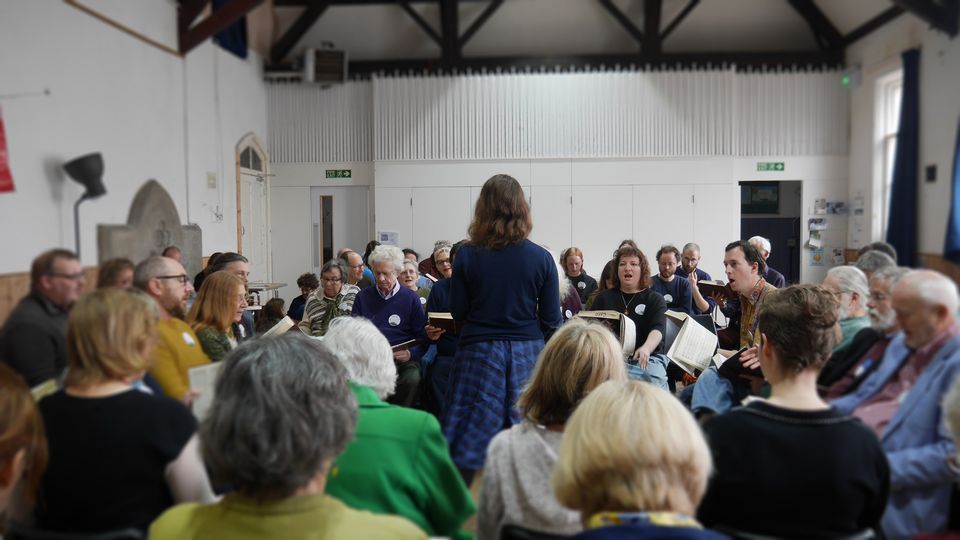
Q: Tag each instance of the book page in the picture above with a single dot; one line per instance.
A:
(202, 379)
(282, 326)
(694, 345)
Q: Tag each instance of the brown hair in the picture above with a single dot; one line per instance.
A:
(578, 358)
(502, 216)
(21, 428)
(216, 302)
(110, 335)
(609, 272)
(750, 254)
(110, 270)
(570, 252)
(630, 251)
(668, 248)
(800, 322)
(43, 264)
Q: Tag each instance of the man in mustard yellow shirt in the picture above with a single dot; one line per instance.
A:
(177, 349)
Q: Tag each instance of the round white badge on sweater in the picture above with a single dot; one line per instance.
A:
(188, 340)
(394, 320)
(668, 298)
(568, 313)
(640, 309)
(582, 285)
(423, 301)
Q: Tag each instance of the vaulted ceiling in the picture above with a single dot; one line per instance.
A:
(472, 34)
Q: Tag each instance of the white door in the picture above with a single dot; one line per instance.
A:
(340, 218)
(440, 213)
(254, 228)
(716, 223)
(602, 217)
(663, 214)
(551, 206)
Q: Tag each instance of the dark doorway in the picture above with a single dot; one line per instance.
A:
(773, 210)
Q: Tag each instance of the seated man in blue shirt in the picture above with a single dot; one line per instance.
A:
(397, 313)
(689, 270)
(675, 291)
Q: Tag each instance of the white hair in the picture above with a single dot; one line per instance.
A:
(872, 261)
(761, 243)
(384, 253)
(566, 287)
(933, 288)
(365, 352)
(852, 280)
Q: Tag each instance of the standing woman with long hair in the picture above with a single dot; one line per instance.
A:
(505, 288)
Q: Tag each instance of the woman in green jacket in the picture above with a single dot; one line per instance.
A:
(398, 462)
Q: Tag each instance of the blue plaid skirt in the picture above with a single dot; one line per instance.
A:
(485, 380)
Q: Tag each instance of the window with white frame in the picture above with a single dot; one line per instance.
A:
(889, 90)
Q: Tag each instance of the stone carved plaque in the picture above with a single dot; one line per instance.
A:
(152, 224)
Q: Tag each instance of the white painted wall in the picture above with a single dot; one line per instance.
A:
(878, 54)
(112, 93)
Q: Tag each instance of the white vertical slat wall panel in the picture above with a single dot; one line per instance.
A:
(307, 123)
(613, 114)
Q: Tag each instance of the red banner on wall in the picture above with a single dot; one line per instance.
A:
(6, 178)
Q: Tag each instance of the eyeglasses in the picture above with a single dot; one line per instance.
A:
(443, 261)
(878, 297)
(73, 277)
(332, 280)
(182, 278)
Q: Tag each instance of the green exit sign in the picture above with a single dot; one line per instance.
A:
(769, 166)
(339, 173)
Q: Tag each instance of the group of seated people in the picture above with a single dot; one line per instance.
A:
(838, 425)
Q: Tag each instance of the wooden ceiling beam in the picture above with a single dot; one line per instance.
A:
(304, 22)
(215, 23)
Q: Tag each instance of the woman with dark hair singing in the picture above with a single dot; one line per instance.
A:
(505, 288)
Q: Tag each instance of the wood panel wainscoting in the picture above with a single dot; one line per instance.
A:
(13, 287)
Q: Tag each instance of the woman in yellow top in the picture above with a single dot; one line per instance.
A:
(216, 312)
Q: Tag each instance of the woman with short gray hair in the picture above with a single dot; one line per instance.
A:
(333, 299)
(398, 462)
(283, 412)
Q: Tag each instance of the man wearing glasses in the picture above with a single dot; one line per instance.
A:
(178, 348)
(333, 299)
(33, 340)
(354, 266)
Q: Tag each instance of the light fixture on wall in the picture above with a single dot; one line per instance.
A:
(87, 171)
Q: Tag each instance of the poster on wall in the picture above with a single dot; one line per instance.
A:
(6, 178)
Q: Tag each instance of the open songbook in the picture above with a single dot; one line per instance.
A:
(622, 327)
(732, 369)
(443, 319)
(694, 345)
(709, 288)
(410, 343)
(202, 379)
(281, 327)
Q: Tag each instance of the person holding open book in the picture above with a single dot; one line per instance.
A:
(506, 290)
(792, 465)
(397, 313)
(714, 393)
(645, 307)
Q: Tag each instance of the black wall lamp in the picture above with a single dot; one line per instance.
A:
(87, 171)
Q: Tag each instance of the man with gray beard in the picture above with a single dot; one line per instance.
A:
(850, 365)
(852, 290)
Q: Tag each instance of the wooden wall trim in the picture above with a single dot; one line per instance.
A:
(13, 287)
